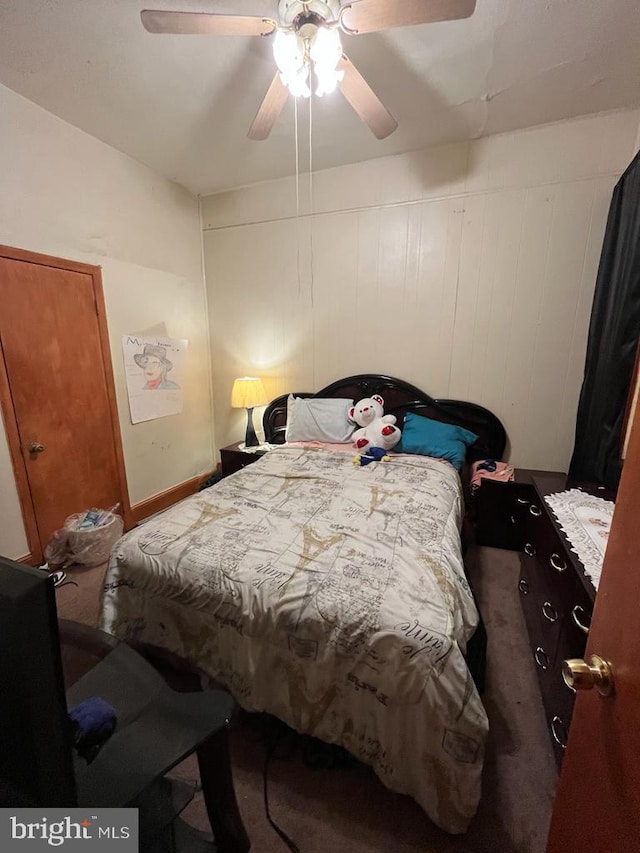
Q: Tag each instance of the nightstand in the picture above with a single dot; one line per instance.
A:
(234, 457)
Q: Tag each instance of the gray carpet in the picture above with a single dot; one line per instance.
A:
(348, 809)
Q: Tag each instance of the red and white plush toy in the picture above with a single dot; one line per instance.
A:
(376, 428)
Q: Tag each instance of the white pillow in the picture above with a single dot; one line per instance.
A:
(318, 419)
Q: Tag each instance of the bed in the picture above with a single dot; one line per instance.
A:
(330, 595)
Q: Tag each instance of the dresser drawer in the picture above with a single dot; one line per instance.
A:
(542, 612)
(559, 724)
(559, 701)
(501, 513)
(543, 635)
(548, 645)
(556, 578)
(558, 698)
(572, 644)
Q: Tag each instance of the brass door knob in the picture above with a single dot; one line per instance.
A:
(579, 674)
(36, 447)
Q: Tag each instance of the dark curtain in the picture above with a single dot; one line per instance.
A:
(613, 339)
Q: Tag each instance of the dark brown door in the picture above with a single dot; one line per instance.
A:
(57, 379)
(598, 802)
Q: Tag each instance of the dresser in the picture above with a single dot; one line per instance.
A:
(500, 509)
(557, 601)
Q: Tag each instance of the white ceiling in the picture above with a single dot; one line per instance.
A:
(183, 104)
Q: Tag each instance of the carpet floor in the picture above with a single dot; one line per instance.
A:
(348, 809)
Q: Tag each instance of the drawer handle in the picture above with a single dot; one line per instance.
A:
(549, 612)
(535, 510)
(559, 731)
(575, 615)
(541, 658)
(557, 563)
(529, 550)
(522, 501)
(523, 586)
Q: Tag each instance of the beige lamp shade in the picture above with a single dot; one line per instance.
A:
(247, 392)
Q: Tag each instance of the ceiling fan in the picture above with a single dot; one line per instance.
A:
(307, 37)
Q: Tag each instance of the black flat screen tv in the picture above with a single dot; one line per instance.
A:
(36, 764)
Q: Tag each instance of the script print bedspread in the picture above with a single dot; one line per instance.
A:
(332, 596)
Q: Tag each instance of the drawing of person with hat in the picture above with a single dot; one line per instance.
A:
(155, 366)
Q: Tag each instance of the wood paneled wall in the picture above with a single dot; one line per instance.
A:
(466, 269)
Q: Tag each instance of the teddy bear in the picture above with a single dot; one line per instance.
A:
(376, 428)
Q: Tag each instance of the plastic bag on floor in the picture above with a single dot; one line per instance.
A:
(57, 551)
(86, 538)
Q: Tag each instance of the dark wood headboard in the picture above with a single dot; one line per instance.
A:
(399, 398)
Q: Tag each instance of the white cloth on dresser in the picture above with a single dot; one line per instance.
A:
(586, 522)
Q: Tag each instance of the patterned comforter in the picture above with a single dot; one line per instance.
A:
(331, 596)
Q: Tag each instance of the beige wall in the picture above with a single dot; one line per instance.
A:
(65, 193)
(466, 269)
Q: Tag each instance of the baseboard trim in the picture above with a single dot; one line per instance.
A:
(28, 558)
(165, 499)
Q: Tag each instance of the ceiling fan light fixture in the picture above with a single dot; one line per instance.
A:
(306, 39)
(297, 83)
(289, 53)
(295, 55)
(327, 81)
(326, 48)
(325, 53)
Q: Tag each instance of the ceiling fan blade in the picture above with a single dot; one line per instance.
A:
(369, 16)
(269, 110)
(203, 23)
(365, 101)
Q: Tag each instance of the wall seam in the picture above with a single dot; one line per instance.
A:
(413, 202)
(212, 431)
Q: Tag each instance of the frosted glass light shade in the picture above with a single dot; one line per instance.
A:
(326, 53)
(289, 53)
(247, 392)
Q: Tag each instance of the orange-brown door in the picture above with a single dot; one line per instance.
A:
(56, 384)
(597, 806)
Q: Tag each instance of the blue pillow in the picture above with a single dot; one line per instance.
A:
(433, 438)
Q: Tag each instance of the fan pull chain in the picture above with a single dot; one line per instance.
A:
(311, 259)
(310, 156)
(295, 115)
(311, 195)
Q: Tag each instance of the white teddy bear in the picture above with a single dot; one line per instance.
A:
(376, 428)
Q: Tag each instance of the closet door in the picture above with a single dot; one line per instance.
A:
(57, 400)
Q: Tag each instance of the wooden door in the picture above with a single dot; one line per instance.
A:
(597, 806)
(57, 392)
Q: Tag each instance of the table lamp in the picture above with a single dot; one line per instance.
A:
(247, 392)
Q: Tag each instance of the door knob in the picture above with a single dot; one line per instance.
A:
(579, 674)
(36, 447)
